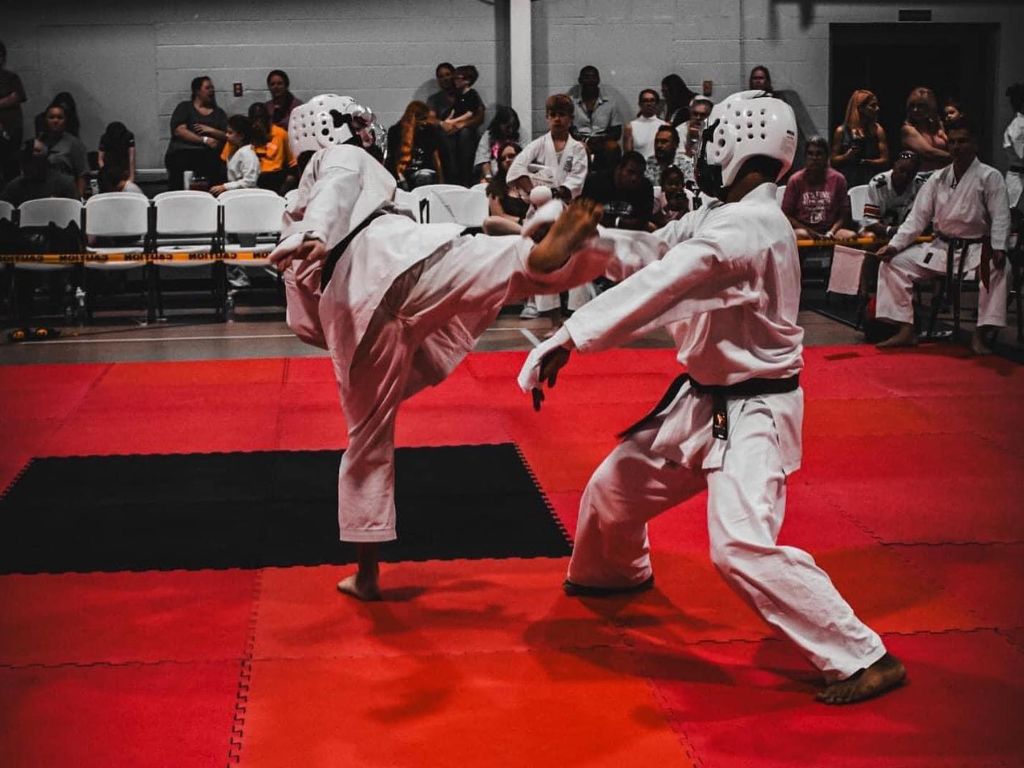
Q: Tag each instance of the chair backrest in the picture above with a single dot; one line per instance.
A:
(289, 198)
(482, 186)
(228, 194)
(49, 210)
(6, 211)
(858, 196)
(449, 203)
(252, 214)
(780, 192)
(186, 212)
(117, 214)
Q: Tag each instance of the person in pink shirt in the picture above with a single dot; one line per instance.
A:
(816, 200)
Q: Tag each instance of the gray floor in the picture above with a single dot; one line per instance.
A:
(262, 332)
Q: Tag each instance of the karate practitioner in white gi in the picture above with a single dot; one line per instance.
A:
(966, 203)
(728, 288)
(403, 305)
(562, 161)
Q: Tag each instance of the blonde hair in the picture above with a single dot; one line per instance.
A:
(853, 122)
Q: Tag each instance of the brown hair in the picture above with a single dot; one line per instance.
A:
(560, 103)
(416, 114)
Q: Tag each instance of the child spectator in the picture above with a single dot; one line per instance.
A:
(244, 165)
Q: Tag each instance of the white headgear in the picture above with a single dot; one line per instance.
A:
(742, 126)
(325, 121)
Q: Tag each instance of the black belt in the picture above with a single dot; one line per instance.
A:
(332, 258)
(721, 394)
(1017, 169)
(954, 244)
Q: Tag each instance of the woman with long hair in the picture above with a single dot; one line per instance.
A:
(922, 130)
(860, 148)
(760, 79)
(282, 100)
(508, 206)
(414, 154)
(676, 98)
(503, 128)
(117, 147)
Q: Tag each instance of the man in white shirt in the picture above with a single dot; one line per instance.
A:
(891, 195)
(728, 289)
(1013, 145)
(966, 204)
(398, 304)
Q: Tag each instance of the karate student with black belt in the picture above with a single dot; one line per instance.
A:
(728, 289)
(966, 204)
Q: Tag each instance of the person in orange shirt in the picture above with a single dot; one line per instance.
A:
(278, 168)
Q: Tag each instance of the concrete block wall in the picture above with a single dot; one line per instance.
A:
(133, 61)
(634, 43)
(381, 52)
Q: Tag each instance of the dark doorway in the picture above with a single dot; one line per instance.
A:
(956, 60)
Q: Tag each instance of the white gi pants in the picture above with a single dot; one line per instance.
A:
(897, 276)
(415, 337)
(746, 507)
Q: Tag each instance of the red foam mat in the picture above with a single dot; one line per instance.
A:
(457, 606)
(546, 708)
(82, 618)
(743, 704)
(139, 715)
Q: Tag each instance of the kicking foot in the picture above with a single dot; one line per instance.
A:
(360, 587)
(574, 226)
(884, 675)
(904, 337)
(572, 589)
(978, 346)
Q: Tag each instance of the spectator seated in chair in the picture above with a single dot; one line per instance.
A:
(625, 193)
(38, 178)
(816, 200)
(117, 148)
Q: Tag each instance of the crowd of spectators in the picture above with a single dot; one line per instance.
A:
(589, 149)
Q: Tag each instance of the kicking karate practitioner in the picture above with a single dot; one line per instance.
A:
(728, 289)
(966, 202)
(398, 304)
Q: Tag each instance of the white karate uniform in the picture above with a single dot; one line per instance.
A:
(568, 169)
(1013, 146)
(971, 208)
(243, 168)
(403, 307)
(729, 291)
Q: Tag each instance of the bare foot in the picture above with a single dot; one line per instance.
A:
(978, 346)
(574, 226)
(884, 675)
(904, 337)
(361, 587)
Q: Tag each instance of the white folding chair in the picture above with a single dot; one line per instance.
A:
(247, 216)
(40, 214)
(481, 187)
(289, 198)
(780, 192)
(36, 214)
(858, 196)
(120, 215)
(187, 220)
(451, 203)
(6, 211)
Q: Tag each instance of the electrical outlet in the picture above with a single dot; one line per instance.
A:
(708, 85)
(238, 89)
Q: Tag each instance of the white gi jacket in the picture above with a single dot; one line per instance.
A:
(974, 207)
(728, 289)
(1013, 146)
(569, 172)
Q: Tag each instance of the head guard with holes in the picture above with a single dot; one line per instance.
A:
(326, 121)
(744, 125)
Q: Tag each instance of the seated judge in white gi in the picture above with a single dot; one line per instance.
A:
(966, 205)
(728, 289)
(397, 303)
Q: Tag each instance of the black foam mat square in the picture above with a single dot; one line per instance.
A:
(274, 508)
